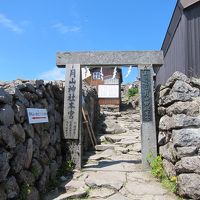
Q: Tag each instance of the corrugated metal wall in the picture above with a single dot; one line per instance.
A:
(175, 58)
(193, 19)
(182, 50)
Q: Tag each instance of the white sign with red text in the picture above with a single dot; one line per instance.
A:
(37, 115)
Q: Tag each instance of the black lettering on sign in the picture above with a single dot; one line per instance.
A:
(72, 102)
(146, 95)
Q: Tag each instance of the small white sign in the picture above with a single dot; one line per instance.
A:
(36, 115)
(108, 91)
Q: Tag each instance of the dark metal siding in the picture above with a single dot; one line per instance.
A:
(175, 57)
(193, 18)
(181, 46)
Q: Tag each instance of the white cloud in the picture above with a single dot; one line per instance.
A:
(62, 28)
(8, 23)
(53, 74)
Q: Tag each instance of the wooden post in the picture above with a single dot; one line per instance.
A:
(147, 113)
(72, 113)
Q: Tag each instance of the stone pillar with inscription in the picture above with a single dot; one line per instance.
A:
(72, 113)
(148, 127)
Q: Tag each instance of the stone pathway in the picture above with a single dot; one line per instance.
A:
(114, 170)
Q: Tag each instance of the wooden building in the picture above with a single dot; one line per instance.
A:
(181, 46)
(108, 88)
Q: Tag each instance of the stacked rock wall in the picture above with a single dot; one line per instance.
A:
(179, 132)
(31, 154)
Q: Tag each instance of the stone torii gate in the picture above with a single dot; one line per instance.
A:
(73, 61)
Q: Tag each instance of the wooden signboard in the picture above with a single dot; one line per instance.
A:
(72, 102)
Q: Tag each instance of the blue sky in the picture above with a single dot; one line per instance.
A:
(31, 32)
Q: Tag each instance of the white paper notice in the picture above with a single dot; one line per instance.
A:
(36, 115)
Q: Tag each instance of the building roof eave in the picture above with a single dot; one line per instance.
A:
(187, 3)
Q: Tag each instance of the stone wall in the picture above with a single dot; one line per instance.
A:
(31, 154)
(179, 132)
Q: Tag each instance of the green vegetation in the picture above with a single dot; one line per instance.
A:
(132, 92)
(25, 191)
(35, 172)
(66, 168)
(157, 171)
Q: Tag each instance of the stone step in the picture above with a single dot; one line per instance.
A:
(72, 195)
(103, 147)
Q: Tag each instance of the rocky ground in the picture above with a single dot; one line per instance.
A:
(114, 171)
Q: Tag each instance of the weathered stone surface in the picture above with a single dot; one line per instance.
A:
(29, 88)
(36, 146)
(189, 185)
(188, 165)
(164, 92)
(36, 168)
(73, 195)
(195, 82)
(4, 166)
(26, 177)
(33, 195)
(118, 196)
(113, 180)
(43, 158)
(51, 152)
(177, 76)
(29, 153)
(44, 179)
(38, 128)
(6, 135)
(185, 88)
(162, 138)
(161, 111)
(169, 168)
(45, 140)
(20, 112)
(188, 108)
(5, 97)
(53, 169)
(174, 97)
(104, 147)
(18, 132)
(29, 130)
(186, 151)
(168, 152)
(186, 137)
(12, 188)
(18, 95)
(75, 185)
(31, 96)
(3, 195)
(152, 188)
(6, 115)
(101, 192)
(178, 121)
(18, 161)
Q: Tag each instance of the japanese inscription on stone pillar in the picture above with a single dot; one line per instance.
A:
(72, 102)
(146, 95)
